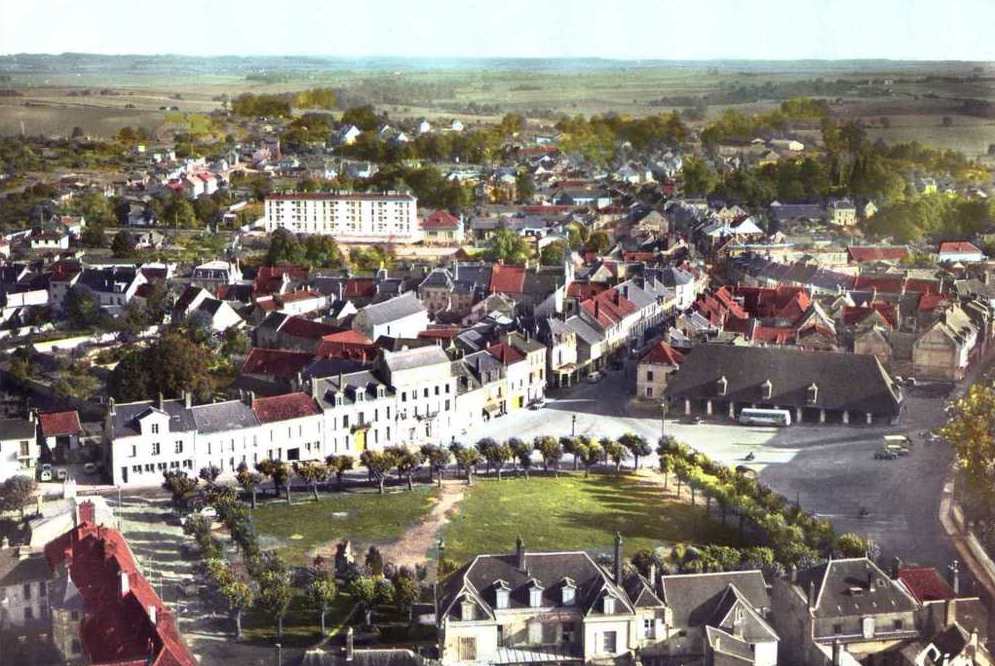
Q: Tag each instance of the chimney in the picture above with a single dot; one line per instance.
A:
(870, 581)
(162, 401)
(87, 513)
(896, 567)
(652, 576)
(617, 574)
(520, 554)
(793, 573)
(348, 645)
(314, 389)
(125, 583)
(152, 614)
(188, 399)
(954, 569)
(111, 409)
(950, 612)
(836, 652)
(811, 594)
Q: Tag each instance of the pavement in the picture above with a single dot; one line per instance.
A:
(829, 469)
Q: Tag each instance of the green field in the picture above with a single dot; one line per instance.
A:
(365, 518)
(574, 513)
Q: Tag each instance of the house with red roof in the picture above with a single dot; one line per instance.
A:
(653, 369)
(103, 608)
(290, 426)
(870, 254)
(347, 344)
(60, 431)
(280, 331)
(278, 279)
(443, 228)
(301, 302)
(508, 280)
(960, 252)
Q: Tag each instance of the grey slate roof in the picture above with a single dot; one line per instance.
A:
(551, 570)
(696, 598)
(415, 358)
(845, 381)
(16, 429)
(125, 419)
(842, 589)
(115, 280)
(585, 331)
(223, 416)
(396, 308)
(16, 571)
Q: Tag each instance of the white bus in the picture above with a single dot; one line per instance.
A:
(769, 417)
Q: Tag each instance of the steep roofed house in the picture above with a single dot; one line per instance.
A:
(60, 432)
(403, 316)
(19, 450)
(443, 228)
(197, 304)
(959, 252)
(653, 369)
(508, 280)
(104, 610)
(144, 439)
(843, 609)
(548, 606)
(944, 350)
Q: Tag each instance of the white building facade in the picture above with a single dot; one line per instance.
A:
(351, 218)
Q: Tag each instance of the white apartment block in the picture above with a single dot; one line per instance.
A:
(409, 398)
(350, 217)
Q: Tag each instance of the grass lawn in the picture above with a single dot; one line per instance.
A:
(574, 513)
(364, 518)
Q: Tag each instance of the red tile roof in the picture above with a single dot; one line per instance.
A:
(925, 584)
(958, 247)
(608, 307)
(269, 278)
(506, 354)
(275, 362)
(60, 423)
(284, 407)
(440, 219)
(663, 354)
(855, 315)
(585, 290)
(859, 255)
(440, 332)
(507, 279)
(347, 344)
(359, 288)
(885, 285)
(116, 626)
(299, 327)
(929, 301)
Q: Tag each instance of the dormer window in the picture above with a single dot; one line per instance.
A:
(535, 594)
(767, 388)
(722, 385)
(569, 592)
(812, 393)
(380, 391)
(502, 593)
(608, 604)
(338, 398)
(467, 610)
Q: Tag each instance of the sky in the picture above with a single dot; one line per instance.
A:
(619, 29)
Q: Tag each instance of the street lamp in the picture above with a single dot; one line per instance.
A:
(663, 419)
(279, 654)
(573, 426)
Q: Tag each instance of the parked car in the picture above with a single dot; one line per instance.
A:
(538, 404)
(595, 377)
(885, 454)
(46, 472)
(90, 468)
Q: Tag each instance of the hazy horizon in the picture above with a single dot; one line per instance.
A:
(628, 31)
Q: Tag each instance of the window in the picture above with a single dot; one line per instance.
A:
(897, 625)
(467, 610)
(567, 632)
(649, 391)
(436, 390)
(609, 642)
(867, 627)
(501, 598)
(426, 392)
(608, 605)
(42, 590)
(648, 627)
(345, 420)
(535, 597)
(649, 375)
(74, 616)
(568, 595)
(178, 448)
(25, 449)
(76, 644)
(155, 428)
(27, 591)
(29, 614)
(134, 450)
(156, 448)
(467, 648)
(837, 628)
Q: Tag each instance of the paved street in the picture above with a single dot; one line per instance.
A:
(830, 469)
